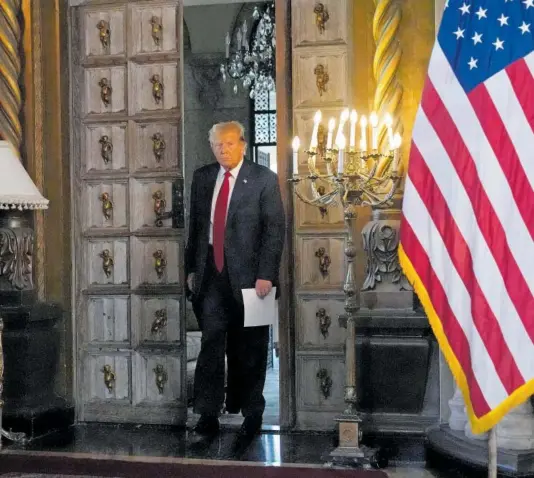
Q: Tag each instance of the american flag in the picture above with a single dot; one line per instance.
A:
(468, 213)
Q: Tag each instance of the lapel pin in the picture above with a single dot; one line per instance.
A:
(245, 181)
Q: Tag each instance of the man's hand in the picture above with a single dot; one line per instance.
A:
(263, 287)
(191, 281)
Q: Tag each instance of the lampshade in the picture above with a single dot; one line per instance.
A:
(17, 190)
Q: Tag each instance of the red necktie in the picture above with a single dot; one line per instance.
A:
(219, 222)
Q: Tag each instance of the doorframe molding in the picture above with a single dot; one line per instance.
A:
(284, 129)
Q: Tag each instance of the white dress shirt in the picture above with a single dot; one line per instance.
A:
(218, 183)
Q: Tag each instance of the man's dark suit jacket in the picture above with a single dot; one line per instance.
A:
(255, 227)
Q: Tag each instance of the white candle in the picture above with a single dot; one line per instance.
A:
(397, 140)
(245, 39)
(296, 145)
(342, 120)
(340, 143)
(363, 134)
(238, 39)
(315, 132)
(331, 126)
(353, 120)
(373, 121)
(388, 122)
(227, 41)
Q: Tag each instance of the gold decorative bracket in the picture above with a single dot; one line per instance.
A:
(106, 149)
(160, 263)
(157, 88)
(160, 377)
(157, 30)
(104, 33)
(321, 16)
(321, 78)
(107, 262)
(325, 382)
(324, 321)
(158, 146)
(159, 207)
(324, 260)
(105, 91)
(160, 322)
(107, 206)
(323, 210)
(109, 377)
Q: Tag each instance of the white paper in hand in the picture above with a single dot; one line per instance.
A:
(259, 311)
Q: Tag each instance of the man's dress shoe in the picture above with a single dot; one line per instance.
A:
(251, 427)
(205, 431)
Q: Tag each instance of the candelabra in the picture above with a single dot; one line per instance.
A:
(353, 179)
(253, 63)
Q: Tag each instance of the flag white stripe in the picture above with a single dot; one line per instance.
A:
(416, 214)
(529, 59)
(503, 95)
(485, 268)
(488, 168)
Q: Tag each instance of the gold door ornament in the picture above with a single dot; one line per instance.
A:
(324, 260)
(321, 17)
(109, 377)
(158, 146)
(104, 33)
(159, 207)
(157, 89)
(105, 91)
(324, 322)
(160, 322)
(325, 382)
(321, 78)
(157, 30)
(106, 149)
(107, 206)
(160, 377)
(160, 263)
(323, 210)
(107, 262)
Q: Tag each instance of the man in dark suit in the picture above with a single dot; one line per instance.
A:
(236, 237)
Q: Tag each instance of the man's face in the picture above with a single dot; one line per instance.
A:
(228, 148)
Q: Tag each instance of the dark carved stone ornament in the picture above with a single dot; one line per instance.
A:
(16, 247)
(381, 243)
(206, 75)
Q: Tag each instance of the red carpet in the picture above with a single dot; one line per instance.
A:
(56, 465)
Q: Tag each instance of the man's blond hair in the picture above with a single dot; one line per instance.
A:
(227, 126)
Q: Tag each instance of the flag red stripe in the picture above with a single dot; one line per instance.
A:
(504, 150)
(523, 86)
(483, 316)
(454, 333)
(487, 220)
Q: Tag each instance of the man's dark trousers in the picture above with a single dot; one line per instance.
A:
(221, 322)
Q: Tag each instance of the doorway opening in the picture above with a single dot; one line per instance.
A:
(208, 100)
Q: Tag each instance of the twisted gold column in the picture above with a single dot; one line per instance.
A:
(388, 93)
(10, 68)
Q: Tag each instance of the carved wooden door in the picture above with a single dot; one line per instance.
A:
(126, 163)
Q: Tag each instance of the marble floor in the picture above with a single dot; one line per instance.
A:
(407, 456)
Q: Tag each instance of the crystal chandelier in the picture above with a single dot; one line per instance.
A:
(253, 63)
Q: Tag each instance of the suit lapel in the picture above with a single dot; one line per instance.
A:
(241, 185)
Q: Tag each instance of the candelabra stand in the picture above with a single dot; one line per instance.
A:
(356, 185)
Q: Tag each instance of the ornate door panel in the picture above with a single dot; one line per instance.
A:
(322, 52)
(128, 230)
(320, 23)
